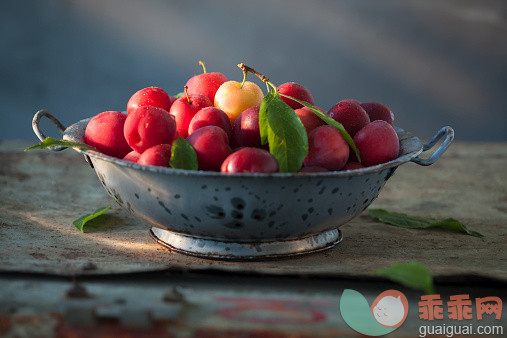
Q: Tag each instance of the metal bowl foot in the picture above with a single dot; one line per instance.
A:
(229, 250)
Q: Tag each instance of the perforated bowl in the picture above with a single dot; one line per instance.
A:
(244, 216)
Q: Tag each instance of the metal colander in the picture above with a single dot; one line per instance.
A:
(244, 216)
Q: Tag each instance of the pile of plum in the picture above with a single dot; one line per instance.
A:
(220, 120)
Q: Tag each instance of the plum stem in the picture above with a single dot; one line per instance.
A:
(186, 94)
(263, 78)
(201, 63)
(247, 69)
(244, 78)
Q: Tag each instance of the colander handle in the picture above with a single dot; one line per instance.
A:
(448, 132)
(38, 131)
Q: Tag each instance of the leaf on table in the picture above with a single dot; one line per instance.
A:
(451, 223)
(51, 142)
(411, 275)
(80, 222)
(183, 156)
(417, 222)
(330, 121)
(283, 130)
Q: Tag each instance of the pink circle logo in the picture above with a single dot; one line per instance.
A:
(390, 308)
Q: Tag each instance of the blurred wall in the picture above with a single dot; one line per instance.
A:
(434, 63)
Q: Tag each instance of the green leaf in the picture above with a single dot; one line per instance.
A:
(51, 142)
(324, 117)
(412, 275)
(80, 222)
(417, 222)
(451, 223)
(285, 133)
(263, 117)
(183, 156)
(179, 95)
(401, 220)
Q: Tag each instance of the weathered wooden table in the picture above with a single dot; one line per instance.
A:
(116, 279)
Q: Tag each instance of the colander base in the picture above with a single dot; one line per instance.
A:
(258, 250)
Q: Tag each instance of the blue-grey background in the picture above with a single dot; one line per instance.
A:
(434, 63)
